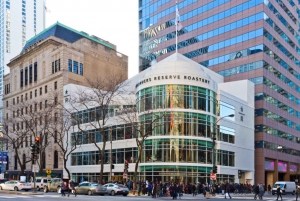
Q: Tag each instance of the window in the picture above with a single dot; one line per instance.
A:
(81, 69)
(70, 65)
(21, 98)
(46, 103)
(55, 136)
(43, 160)
(6, 103)
(35, 71)
(17, 100)
(31, 95)
(26, 96)
(242, 118)
(41, 91)
(14, 102)
(53, 67)
(26, 76)
(75, 65)
(30, 73)
(35, 93)
(6, 115)
(41, 105)
(55, 85)
(55, 117)
(46, 90)
(35, 107)
(30, 108)
(26, 141)
(55, 164)
(21, 78)
(55, 101)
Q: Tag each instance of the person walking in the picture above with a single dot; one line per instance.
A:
(227, 190)
(297, 192)
(261, 191)
(72, 188)
(269, 189)
(278, 191)
(256, 191)
(62, 188)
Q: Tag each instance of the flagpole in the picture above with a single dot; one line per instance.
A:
(176, 24)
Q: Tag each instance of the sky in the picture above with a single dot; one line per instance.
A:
(113, 20)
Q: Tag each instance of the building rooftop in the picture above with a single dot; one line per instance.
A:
(66, 33)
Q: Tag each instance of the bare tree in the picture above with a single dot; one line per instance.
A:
(30, 119)
(99, 101)
(141, 129)
(60, 133)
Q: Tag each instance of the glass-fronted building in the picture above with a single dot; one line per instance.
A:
(258, 40)
(190, 103)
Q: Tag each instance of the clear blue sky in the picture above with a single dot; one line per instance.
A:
(113, 20)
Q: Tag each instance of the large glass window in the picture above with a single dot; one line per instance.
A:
(226, 110)
(177, 96)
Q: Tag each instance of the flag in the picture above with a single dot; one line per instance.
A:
(177, 20)
(47, 10)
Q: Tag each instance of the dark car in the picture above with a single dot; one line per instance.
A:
(90, 188)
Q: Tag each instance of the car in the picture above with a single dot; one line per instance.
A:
(116, 189)
(90, 188)
(40, 182)
(15, 185)
(53, 185)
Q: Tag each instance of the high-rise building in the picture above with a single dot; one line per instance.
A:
(257, 40)
(19, 21)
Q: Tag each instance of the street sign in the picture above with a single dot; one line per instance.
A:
(124, 176)
(213, 176)
(35, 168)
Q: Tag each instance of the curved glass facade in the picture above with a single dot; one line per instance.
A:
(179, 149)
(177, 96)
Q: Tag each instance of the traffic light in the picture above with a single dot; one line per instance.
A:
(33, 149)
(126, 165)
(215, 169)
(239, 174)
(37, 145)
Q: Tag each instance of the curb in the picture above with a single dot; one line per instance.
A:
(19, 193)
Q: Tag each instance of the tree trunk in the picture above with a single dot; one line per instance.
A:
(65, 167)
(137, 166)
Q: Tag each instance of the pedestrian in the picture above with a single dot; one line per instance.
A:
(256, 191)
(261, 191)
(269, 189)
(62, 188)
(71, 188)
(278, 191)
(227, 190)
(297, 192)
(194, 190)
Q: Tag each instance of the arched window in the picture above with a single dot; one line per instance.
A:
(55, 164)
(43, 160)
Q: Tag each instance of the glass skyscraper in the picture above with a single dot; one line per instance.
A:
(257, 40)
(19, 21)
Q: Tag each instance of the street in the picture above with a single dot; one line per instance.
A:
(55, 196)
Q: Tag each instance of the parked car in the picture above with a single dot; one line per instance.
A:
(15, 186)
(116, 189)
(52, 185)
(90, 188)
(40, 182)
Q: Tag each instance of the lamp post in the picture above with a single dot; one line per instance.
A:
(214, 142)
(110, 131)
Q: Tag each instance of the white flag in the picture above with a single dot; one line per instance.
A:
(177, 20)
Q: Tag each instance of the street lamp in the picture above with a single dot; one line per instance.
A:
(111, 165)
(214, 142)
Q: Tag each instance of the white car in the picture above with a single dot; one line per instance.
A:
(40, 183)
(15, 186)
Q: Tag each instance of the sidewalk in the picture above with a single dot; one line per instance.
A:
(19, 192)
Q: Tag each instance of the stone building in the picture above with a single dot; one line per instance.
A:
(55, 57)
